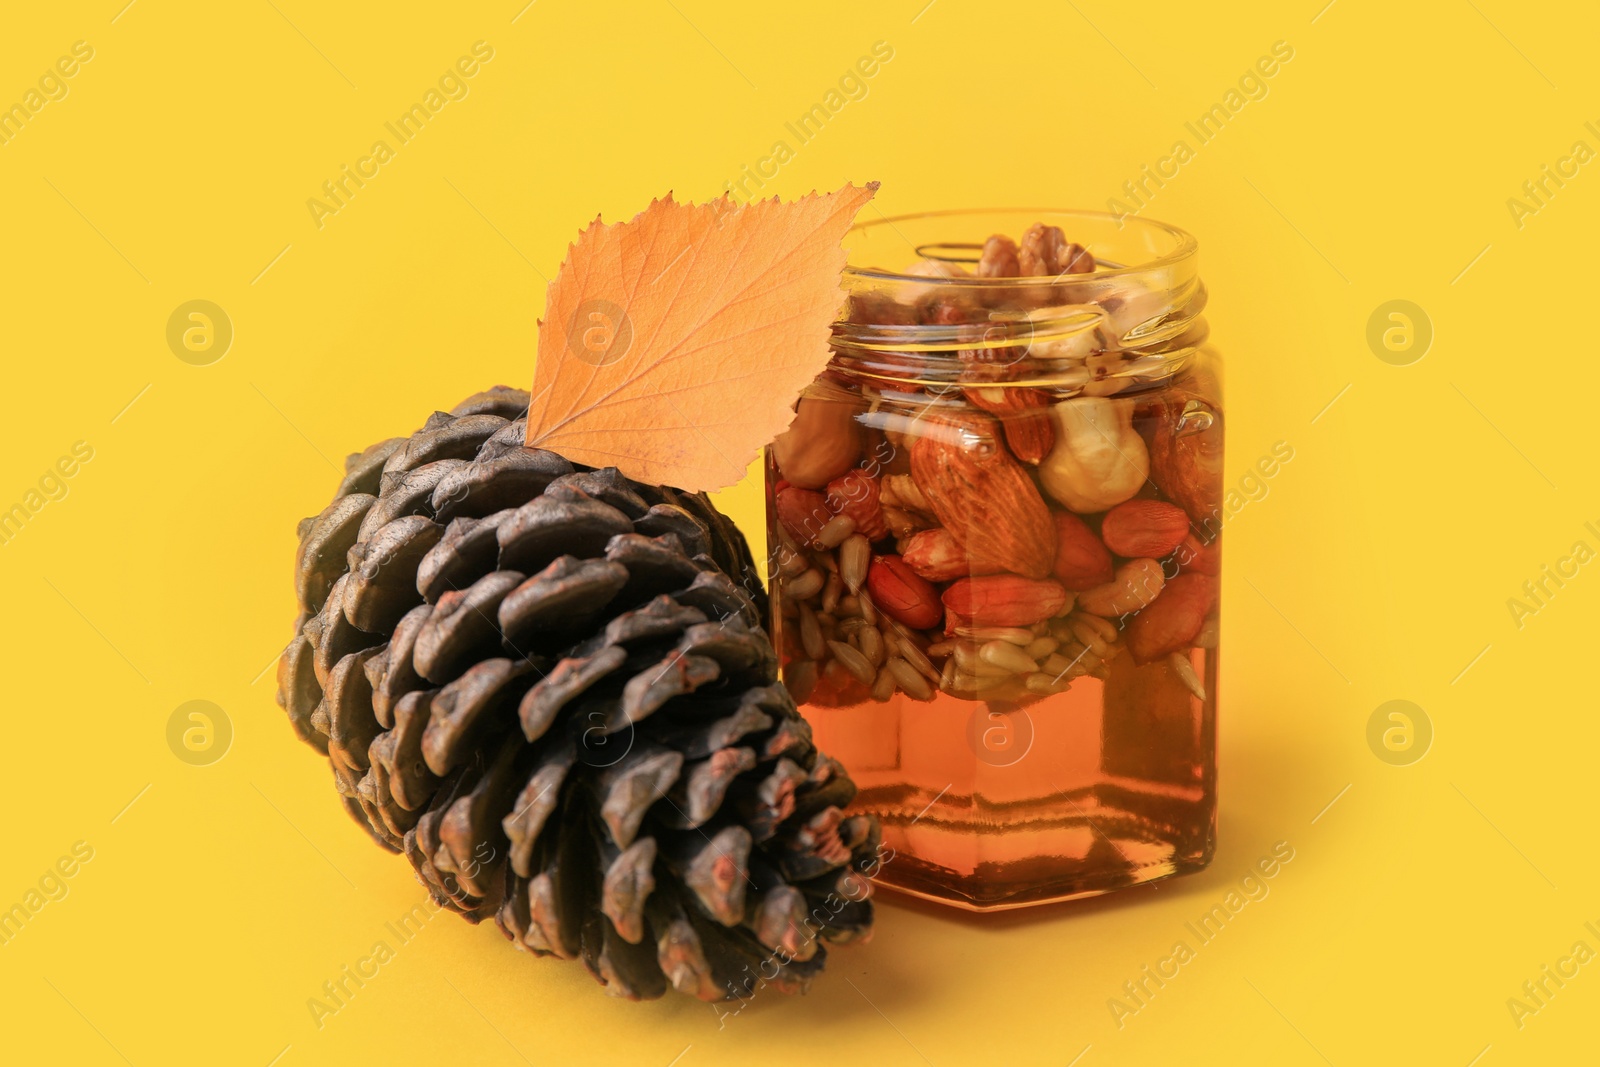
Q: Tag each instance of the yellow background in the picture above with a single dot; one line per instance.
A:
(1378, 566)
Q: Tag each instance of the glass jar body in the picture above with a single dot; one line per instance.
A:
(996, 562)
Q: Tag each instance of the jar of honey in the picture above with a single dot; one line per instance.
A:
(996, 543)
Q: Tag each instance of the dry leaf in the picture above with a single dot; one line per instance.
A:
(673, 347)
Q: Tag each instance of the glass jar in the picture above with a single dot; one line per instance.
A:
(995, 530)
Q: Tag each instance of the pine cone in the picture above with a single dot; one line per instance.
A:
(548, 686)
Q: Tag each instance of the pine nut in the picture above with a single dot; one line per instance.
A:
(1007, 657)
(969, 660)
(1090, 636)
(1014, 634)
(1057, 666)
(1105, 627)
(1040, 647)
(1044, 682)
(966, 655)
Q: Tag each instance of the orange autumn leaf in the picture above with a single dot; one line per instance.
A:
(673, 346)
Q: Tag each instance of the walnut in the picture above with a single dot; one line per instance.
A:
(999, 258)
(1046, 252)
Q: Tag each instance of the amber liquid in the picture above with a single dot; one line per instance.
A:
(1000, 804)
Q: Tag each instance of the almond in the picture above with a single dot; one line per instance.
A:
(1082, 562)
(1024, 416)
(1144, 528)
(938, 556)
(902, 594)
(1186, 459)
(1005, 600)
(983, 496)
(1172, 620)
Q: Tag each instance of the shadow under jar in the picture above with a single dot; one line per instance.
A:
(995, 528)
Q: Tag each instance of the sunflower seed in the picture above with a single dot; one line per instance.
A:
(854, 556)
(792, 564)
(1185, 671)
(811, 633)
(854, 662)
(910, 679)
(871, 642)
(835, 530)
(908, 651)
(869, 610)
(804, 587)
(831, 592)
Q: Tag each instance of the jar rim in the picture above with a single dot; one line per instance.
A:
(1184, 247)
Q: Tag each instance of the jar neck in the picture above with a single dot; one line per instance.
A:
(1134, 317)
(1054, 338)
